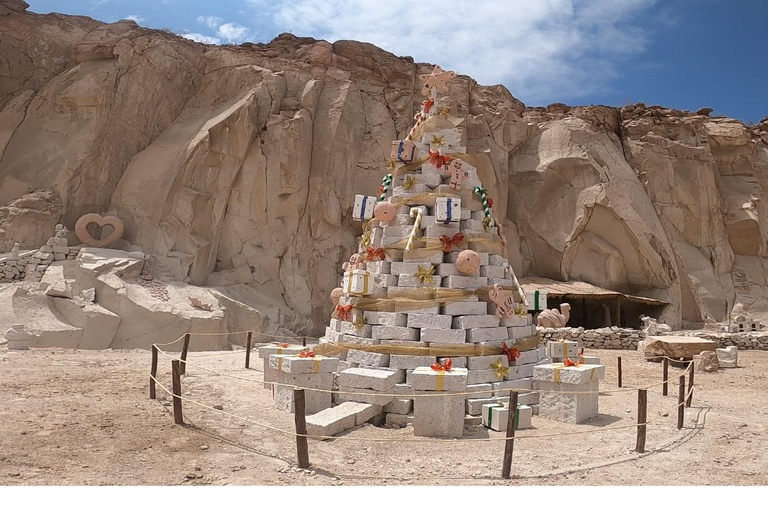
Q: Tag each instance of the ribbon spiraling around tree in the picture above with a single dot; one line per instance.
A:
(438, 159)
(307, 353)
(499, 368)
(445, 367)
(343, 313)
(375, 254)
(448, 242)
(512, 353)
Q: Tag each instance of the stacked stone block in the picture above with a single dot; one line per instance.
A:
(30, 265)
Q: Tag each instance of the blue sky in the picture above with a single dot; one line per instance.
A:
(684, 54)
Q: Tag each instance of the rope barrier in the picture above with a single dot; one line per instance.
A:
(415, 440)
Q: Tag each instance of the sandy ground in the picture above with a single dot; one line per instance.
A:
(84, 418)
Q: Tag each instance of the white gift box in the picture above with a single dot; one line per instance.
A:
(357, 282)
(537, 300)
(447, 209)
(496, 415)
(364, 206)
(403, 151)
(562, 349)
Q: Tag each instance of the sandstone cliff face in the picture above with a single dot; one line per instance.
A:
(237, 166)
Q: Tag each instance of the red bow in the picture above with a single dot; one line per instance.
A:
(445, 367)
(283, 345)
(307, 353)
(438, 160)
(427, 104)
(344, 313)
(448, 241)
(490, 202)
(512, 353)
(569, 362)
(372, 254)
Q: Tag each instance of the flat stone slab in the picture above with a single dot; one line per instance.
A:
(296, 364)
(675, 346)
(335, 420)
(557, 373)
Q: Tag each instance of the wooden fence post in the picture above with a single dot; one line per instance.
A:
(681, 402)
(665, 377)
(509, 445)
(690, 387)
(304, 341)
(642, 415)
(299, 409)
(184, 350)
(153, 374)
(248, 350)
(619, 371)
(178, 416)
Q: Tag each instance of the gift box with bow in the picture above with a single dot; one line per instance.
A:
(357, 282)
(363, 208)
(562, 348)
(425, 378)
(403, 151)
(447, 209)
(495, 416)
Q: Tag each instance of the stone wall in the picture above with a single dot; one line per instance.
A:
(628, 339)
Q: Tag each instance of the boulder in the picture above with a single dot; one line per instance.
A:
(675, 346)
(727, 357)
(708, 362)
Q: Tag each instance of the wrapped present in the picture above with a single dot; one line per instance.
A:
(403, 151)
(447, 209)
(562, 348)
(560, 373)
(495, 416)
(364, 205)
(537, 300)
(357, 282)
(444, 378)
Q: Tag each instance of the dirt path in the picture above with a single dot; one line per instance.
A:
(83, 418)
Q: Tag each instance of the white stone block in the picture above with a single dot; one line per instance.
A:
(521, 332)
(493, 271)
(439, 416)
(501, 282)
(482, 376)
(465, 308)
(568, 407)
(443, 335)
(336, 420)
(296, 364)
(315, 401)
(476, 322)
(363, 331)
(556, 372)
(475, 405)
(440, 229)
(484, 390)
(368, 378)
(428, 321)
(399, 406)
(425, 378)
(562, 348)
(521, 371)
(410, 268)
(411, 257)
(484, 362)
(401, 420)
(380, 398)
(528, 357)
(728, 357)
(399, 232)
(465, 282)
(449, 269)
(516, 320)
(402, 362)
(502, 388)
(386, 332)
(378, 267)
(362, 357)
(487, 334)
(386, 318)
(358, 340)
(497, 260)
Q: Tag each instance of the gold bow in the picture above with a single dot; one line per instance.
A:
(499, 368)
(438, 140)
(409, 182)
(424, 274)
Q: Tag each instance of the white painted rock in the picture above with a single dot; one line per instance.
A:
(727, 357)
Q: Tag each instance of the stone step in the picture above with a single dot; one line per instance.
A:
(335, 420)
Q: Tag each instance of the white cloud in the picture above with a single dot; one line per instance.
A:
(539, 49)
(135, 17)
(232, 32)
(200, 38)
(210, 21)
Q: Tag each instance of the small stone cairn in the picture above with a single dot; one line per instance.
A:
(31, 267)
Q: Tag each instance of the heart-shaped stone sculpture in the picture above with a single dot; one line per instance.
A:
(81, 229)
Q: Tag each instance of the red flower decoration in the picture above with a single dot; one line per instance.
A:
(307, 353)
(372, 254)
(512, 353)
(437, 159)
(445, 367)
(283, 345)
(344, 313)
(427, 105)
(449, 241)
(569, 362)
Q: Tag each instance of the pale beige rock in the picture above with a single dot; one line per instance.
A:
(708, 361)
(675, 346)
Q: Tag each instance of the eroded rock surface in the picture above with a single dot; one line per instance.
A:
(236, 168)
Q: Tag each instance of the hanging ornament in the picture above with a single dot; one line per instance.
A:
(384, 212)
(336, 294)
(468, 262)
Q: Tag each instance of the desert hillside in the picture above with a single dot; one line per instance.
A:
(237, 166)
